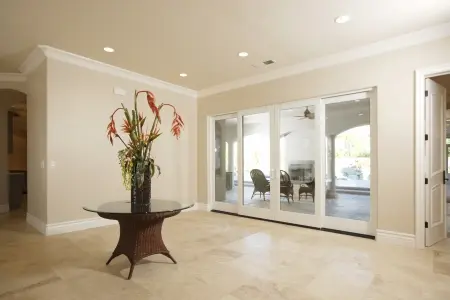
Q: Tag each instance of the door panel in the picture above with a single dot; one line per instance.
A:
(348, 160)
(256, 160)
(436, 162)
(298, 151)
(225, 164)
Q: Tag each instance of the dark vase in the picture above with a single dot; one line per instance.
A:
(141, 192)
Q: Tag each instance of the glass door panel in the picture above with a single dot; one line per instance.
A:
(225, 163)
(256, 171)
(348, 163)
(298, 152)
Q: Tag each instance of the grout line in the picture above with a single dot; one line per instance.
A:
(50, 280)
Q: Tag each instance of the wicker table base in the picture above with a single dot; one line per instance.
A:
(140, 236)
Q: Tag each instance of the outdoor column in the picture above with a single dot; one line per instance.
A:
(331, 193)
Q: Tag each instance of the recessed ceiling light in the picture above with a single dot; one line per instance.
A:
(108, 49)
(360, 114)
(243, 54)
(342, 19)
(183, 75)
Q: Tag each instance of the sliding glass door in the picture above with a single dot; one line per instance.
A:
(308, 162)
(348, 164)
(225, 166)
(257, 181)
(298, 156)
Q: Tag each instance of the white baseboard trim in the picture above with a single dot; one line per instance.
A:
(36, 223)
(70, 226)
(203, 206)
(4, 208)
(195, 207)
(396, 238)
(199, 206)
(77, 225)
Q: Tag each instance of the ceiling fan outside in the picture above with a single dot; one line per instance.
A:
(306, 115)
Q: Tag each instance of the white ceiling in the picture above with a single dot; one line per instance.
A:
(202, 37)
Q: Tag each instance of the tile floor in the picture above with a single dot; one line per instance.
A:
(220, 257)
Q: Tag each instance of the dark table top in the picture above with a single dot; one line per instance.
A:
(125, 207)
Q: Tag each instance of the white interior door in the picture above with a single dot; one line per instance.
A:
(435, 159)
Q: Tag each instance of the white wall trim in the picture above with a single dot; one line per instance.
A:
(70, 226)
(36, 223)
(396, 238)
(34, 59)
(403, 41)
(77, 225)
(4, 208)
(203, 206)
(12, 77)
(195, 207)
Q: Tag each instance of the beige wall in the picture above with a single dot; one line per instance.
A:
(37, 146)
(86, 170)
(393, 75)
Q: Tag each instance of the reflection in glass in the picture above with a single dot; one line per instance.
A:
(348, 159)
(256, 159)
(225, 160)
(297, 159)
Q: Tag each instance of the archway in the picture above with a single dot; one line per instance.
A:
(348, 163)
(13, 150)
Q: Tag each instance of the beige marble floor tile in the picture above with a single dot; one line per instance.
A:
(220, 257)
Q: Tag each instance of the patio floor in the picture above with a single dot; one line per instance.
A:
(348, 206)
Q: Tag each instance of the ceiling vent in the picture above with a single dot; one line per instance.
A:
(263, 64)
(268, 62)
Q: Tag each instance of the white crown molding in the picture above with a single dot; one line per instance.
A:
(33, 60)
(388, 45)
(396, 238)
(12, 77)
(37, 56)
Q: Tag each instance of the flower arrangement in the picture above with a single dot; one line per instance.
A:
(136, 161)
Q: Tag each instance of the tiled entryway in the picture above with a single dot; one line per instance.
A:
(219, 257)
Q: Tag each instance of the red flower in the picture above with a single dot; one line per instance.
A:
(111, 130)
(153, 107)
(126, 126)
(177, 124)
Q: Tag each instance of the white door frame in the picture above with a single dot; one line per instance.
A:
(299, 218)
(274, 213)
(247, 210)
(350, 225)
(211, 172)
(419, 118)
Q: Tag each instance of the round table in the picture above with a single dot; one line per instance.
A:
(140, 227)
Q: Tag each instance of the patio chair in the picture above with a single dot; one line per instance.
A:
(260, 183)
(286, 186)
(307, 188)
